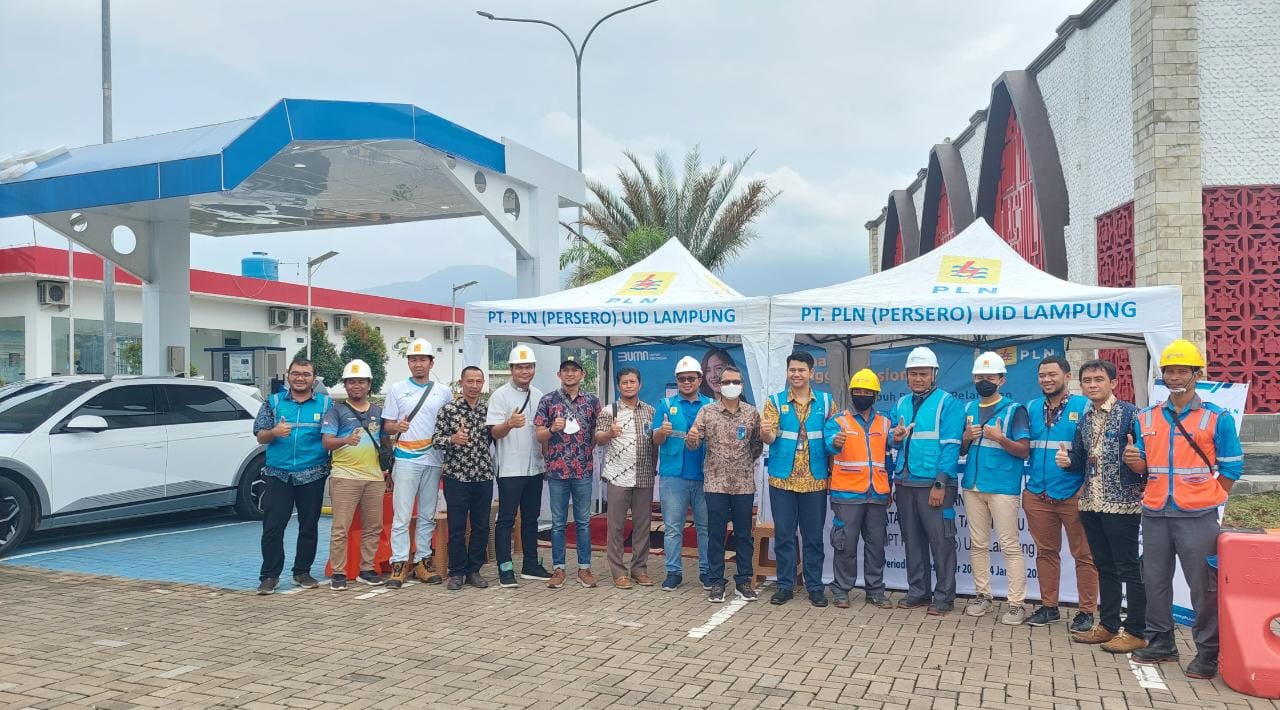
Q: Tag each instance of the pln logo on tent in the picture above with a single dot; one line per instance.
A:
(644, 286)
(1009, 354)
(978, 274)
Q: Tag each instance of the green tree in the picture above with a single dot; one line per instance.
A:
(323, 354)
(131, 357)
(703, 207)
(365, 342)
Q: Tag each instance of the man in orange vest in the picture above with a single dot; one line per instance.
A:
(1191, 454)
(859, 440)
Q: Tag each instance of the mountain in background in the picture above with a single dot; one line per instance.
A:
(437, 288)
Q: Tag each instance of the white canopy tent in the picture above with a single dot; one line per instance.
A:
(974, 288)
(666, 297)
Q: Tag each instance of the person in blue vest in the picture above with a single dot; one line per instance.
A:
(288, 424)
(792, 426)
(995, 444)
(926, 436)
(680, 472)
(1051, 500)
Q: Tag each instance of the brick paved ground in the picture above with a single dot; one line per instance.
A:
(75, 640)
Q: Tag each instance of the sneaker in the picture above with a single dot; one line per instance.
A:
(716, 595)
(841, 599)
(534, 571)
(305, 580)
(1045, 615)
(557, 579)
(1082, 622)
(818, 599)
(745, 592)
(672, 581)
(267, 586)
(399, 573)
(454, 583)
(623, 582)
(940, 609)
(1097, 634)
(475, 580)
(338, 582)
(507, 578)
(879, 601)
(1160, 649)
(1124, 642)
(1014, 615)
(643, 580)
(909, 603)
(425, 570)
(1203, 667)
(586, 578)
(979, 606)
(371, 578)
(706, 580)
(782, 596)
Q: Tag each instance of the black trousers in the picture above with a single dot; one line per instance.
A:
(722, 509)
(1113, 538)
(521, 494)
(278, 502)
(468, 504)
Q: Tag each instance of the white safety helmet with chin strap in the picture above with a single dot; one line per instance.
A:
(357, 369)
(420, 346)
(688, 364)
(922, 357)
(522, 355)
(989, 363)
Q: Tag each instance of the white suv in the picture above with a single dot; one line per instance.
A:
(83, 449)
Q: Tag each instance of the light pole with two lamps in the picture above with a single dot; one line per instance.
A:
(312, 265)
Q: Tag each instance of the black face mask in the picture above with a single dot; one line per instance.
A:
(985, 388)
(862, 402)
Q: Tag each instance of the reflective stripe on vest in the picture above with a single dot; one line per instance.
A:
(859, 465)
(1175, 472)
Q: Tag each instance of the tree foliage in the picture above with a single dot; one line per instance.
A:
(366, 343)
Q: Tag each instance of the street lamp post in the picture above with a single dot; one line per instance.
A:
(453, 317)
(312, 265)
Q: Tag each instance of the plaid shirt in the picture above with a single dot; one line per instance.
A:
(471, 462)
(629, 460)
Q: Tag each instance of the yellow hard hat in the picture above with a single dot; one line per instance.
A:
(357, 369)
(865, 379)
(1182, 352)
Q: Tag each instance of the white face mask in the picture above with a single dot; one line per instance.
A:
(731, 391)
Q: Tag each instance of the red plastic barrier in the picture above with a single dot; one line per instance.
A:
(1248, 602)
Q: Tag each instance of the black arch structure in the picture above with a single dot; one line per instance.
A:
(946, 169)
(901, 212)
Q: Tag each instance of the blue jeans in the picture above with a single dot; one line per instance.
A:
(808, 511)
(561, 491)
(676, 495)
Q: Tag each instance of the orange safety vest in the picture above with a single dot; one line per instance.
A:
(1173, 466)
(859, 465)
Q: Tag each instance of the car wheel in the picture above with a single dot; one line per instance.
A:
(17, 515)
(249, 492)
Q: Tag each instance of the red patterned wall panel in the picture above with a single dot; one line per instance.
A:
(1016, 216)
(1115, 268)
(899, 249)
(946, 228)
(1242, 289)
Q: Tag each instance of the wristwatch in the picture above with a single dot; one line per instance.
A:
(938, 484)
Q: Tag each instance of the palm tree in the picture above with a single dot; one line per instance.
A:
(702, 208)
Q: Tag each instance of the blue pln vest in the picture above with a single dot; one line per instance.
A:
(920, 455)
(988, 467)
(782, 452)
(671, 455)
(302, 448)
(1043, 474)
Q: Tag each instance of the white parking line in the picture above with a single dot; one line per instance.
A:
(1148, 675)
(717, 618)
(374, 593)
(72, 548)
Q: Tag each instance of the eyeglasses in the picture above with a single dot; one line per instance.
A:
(687, 379)
(730, 382)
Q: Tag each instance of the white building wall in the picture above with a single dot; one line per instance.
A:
(1087, 91)
(1239, 91)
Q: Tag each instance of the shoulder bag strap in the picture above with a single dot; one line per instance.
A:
(421, 401)
(1199, 451)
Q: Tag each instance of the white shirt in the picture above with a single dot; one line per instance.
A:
(416, 444)
(519, 453)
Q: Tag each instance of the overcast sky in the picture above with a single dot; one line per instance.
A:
(840, 100)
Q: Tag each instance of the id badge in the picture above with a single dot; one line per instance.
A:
(742, 432)
(801, 444)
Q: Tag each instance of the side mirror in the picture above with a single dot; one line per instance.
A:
(86, 423)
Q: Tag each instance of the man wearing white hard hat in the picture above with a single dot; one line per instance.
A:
(521, 470)
(996, 442)
(680, 472)
(926, 435)
(410, 413)
(352, 434)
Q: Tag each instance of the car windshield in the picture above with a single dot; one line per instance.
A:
(24, 405)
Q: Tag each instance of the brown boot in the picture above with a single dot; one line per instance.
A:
(1097, 634)
(399, 573)
(1124, 642)
(425, 570)
(623, 582)
(587, 579)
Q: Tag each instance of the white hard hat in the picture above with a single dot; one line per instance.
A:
(420, 347)
(522, 355)
(989, 363)
(922, 357)
(357, 369)
(688, 364)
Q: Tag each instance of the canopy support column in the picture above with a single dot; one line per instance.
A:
(166, 296)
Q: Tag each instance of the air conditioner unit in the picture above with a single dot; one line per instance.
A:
(340, 322)
(452, 333)
(278, 317)
(300, 319)
(52, 293)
